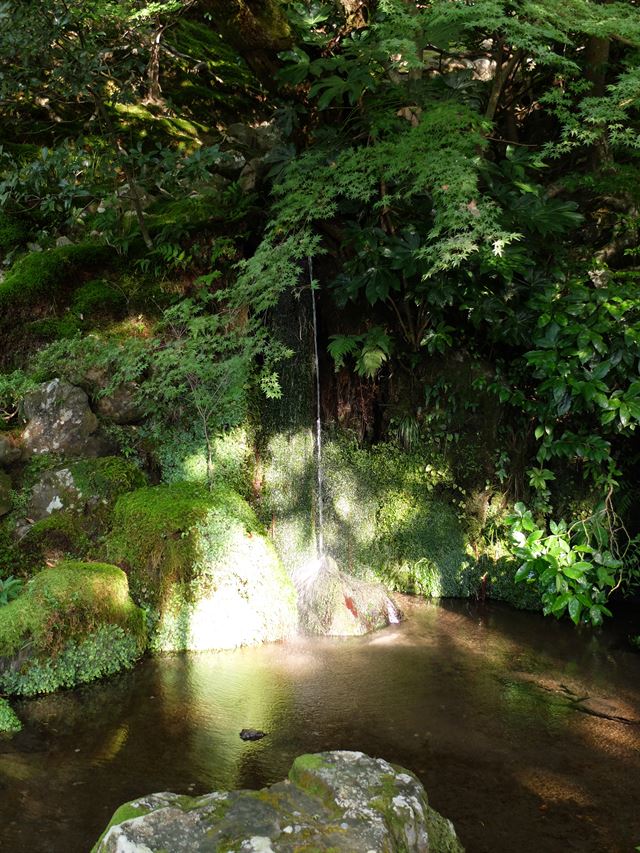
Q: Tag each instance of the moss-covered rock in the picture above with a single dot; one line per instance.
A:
(338, 802)
(87, 486)
(72, 624)
(47, 275)
(201, 562)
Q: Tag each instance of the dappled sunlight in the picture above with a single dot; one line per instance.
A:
(552, 787)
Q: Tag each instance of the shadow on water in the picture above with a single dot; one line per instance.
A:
(480, 703)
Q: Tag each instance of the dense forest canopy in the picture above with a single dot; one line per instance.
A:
(464, 175)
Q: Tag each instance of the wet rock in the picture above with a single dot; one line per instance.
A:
(61, 421)
(5, 493)
(334, 603)
(252, 734)
(345, 802)
(10, 451)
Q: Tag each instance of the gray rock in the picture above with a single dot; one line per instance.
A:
(61, 421)
(9, 451)
(55, 491)
(84, 486)
(5, 493)
(336, 604)
(121, 406)
(345, 802)
(231, 164)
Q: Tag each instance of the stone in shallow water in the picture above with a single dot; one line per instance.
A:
(345, 802)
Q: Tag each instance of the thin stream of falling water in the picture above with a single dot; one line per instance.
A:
(320, 533)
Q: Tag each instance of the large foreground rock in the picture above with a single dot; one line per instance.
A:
(344, 802)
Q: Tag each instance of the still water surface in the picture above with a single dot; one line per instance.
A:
(525, 732)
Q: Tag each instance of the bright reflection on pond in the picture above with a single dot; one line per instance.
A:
(486, 705)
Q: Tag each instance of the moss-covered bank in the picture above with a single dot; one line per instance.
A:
(72, 624)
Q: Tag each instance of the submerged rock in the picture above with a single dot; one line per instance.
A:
(345, 802)
(252, 734)
(336, 604)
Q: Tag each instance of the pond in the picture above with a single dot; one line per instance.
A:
(524, 731)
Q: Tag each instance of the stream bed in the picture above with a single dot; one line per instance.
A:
(525, 732)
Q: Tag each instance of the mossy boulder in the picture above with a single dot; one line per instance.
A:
(88, 486)
(201, 562)
(72, 624)
(343, 802)
(46, 277)
(60, 420)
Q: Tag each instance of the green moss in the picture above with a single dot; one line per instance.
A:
(151, 536)
(9, 722)
(54, 328)
(190, 213)
(13, 232)
(127, 811)
(44, 276)
(145, 123)
(67, 602)
(99, 296)
(60, 533)
(107, 477)
(201, 562)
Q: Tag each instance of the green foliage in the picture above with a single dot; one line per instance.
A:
(13, 387)
(573, 567)
(64, 604)
(12, 232)
(108, 649)
(370, 350)
(10, 588)
(9, 722)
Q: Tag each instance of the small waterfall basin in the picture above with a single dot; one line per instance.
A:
(524, 731)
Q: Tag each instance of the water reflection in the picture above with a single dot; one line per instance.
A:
(481, 703)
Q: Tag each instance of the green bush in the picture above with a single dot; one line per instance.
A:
(12, 232)
(9, 723)
(108, 650)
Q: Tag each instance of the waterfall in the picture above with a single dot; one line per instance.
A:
(320, 533)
